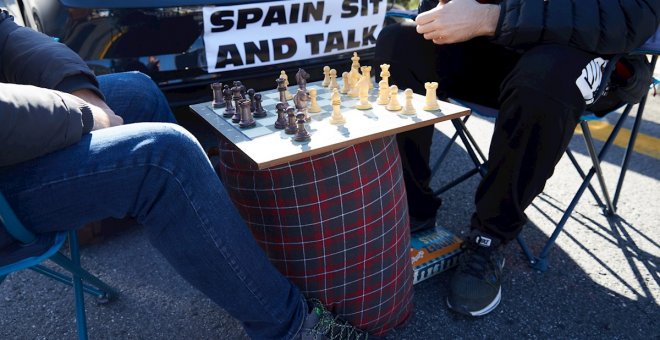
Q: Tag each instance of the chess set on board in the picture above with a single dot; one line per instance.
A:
(277, 126)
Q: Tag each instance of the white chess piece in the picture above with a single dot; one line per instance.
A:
(336, 117)
(288, 94)
(314, 105)
(326, 76)
(383, 93)
(408, 108)
(356, 61)
(346, 81)
(363, 94)
(385, 73)
(333, 80)
(431, 97)
(393, 104)
(366, 72)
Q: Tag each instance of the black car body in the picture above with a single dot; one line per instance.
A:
(165, 38)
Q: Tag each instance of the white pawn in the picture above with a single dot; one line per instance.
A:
(385, 73)
(336, 117)
(346, 81)
(288, 94)
(314, 105)
(408, 108)
(326, 76)
(383, 93)
(431, 98)
(393, 104)
(333, 80)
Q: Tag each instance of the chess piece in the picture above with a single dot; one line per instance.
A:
(336, 117)
(385, 73)
(281, 121)
(300, 101)
(259, 111)
(301, 79)
(383, 93)
(241, 88)
(356, 61)
(250, 94)
(363, 94)
(218, 98)
(286, 84)
(408, 108)
(366, 73)
(431, 97)
(230, 110)
(354, 78)
(333, 80)
(314, 105)
(236, 97)
(393, 104)
(345, 80)
(281, 88)
(291, 126)
(326, 76)
(301, 133)
(246, 114)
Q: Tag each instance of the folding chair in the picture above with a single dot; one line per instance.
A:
(540, 261)
(35, 249)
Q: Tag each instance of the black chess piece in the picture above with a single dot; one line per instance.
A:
(301, 133)
(291, 127)
(230, 110)
(281, 88)
(236, 96)
(250, 96)
(259, 111)
(301, 79)
(246, 114)
(218, 97)
(281, 121)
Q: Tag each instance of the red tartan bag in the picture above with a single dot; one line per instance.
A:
(336, 225)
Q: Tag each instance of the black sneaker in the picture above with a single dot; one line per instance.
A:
(421, 224)
(321, 324)
(475, 288)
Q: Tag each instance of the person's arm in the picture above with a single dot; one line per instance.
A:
(601, 27)
(458, 21)
(35, 121)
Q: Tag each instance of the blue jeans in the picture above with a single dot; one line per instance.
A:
(158, 174)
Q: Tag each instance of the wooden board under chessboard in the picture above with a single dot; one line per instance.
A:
(268, 146)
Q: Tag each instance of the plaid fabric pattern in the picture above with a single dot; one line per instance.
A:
(336, 225)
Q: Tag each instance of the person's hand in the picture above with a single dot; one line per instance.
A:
(457, 21)
(103, 115)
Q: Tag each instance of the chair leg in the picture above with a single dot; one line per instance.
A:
(78, 287)
(578, 168)
(595, 160)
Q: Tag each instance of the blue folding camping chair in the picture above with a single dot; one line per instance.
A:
(32, 250)
(603, 199)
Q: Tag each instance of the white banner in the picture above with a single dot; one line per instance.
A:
(243, 36)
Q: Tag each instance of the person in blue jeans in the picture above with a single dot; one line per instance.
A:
(75, 148)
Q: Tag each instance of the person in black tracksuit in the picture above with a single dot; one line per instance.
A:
(539, 63)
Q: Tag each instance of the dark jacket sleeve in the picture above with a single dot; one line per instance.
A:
(598, 26)
(35, 121)
(32, 58)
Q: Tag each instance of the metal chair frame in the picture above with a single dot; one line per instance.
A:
(81, 280)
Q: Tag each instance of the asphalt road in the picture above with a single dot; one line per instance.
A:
(603, 281)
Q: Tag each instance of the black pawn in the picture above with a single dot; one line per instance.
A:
(250, 94)
(291, 127)
(230, 110)
(301, 133)
(259, 111)
(218, 99)
(280, 123)
(246, 115)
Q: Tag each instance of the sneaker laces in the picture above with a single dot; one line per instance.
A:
(478, 260)
(332, 327)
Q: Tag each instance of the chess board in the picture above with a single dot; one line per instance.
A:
(268, 146)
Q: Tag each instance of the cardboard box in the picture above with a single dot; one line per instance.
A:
(433, 251)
